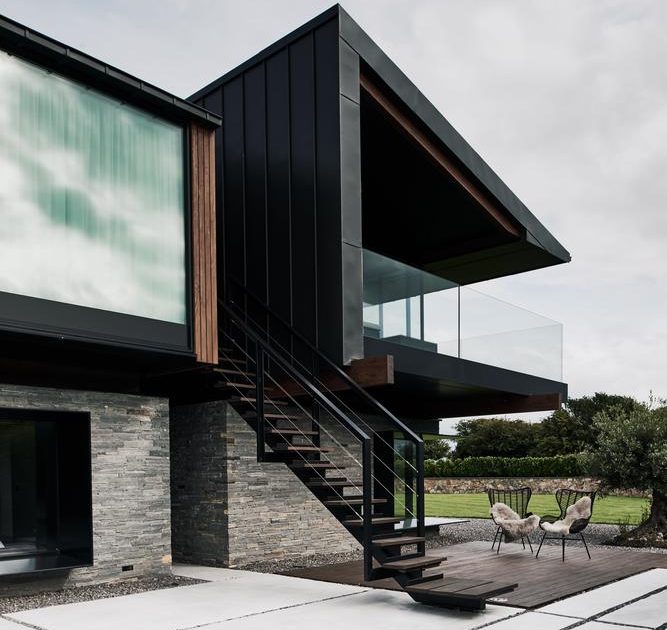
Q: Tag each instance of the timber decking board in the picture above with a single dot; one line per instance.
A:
(540, 581)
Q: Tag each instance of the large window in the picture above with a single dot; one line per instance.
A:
(92, 198)
(45, 490)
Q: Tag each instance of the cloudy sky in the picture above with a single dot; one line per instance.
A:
(567, 101)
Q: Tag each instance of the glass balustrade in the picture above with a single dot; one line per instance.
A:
(411, 307)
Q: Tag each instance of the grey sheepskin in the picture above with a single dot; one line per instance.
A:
(580, 509)
(511, 524)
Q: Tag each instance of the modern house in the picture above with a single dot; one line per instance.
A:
(229, 320)
(107, 280)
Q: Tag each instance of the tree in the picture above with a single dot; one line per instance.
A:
(436, 449)
(571, 430)
(631, 452)
(495, 436)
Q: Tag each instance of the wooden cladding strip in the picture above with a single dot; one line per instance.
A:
(437, 155)
(204, 279)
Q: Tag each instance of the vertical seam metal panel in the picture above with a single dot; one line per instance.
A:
(316, 306)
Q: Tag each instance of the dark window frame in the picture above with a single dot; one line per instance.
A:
(69, 558)
(41, 317)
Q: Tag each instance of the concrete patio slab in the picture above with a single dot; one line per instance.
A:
(601, 599)
(596, 625)
(187, 606)
(243, 600)
(217, 574)
(533, 620)
(650, 612)
(389, 610)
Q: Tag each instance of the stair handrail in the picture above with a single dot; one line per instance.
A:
(295, 374)
(388, 415)
(364, 438)
(337, 369)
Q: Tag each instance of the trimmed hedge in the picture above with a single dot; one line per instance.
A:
(556, 466)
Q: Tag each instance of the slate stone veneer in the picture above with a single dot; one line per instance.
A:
(130, 483)
(230, 510)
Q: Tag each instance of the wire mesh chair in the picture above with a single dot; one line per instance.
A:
(565, 497)
(515, 498)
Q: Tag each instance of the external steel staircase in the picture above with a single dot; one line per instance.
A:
(303, 424)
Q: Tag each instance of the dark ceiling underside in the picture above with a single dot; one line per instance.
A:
(414, 211)
(411, 210)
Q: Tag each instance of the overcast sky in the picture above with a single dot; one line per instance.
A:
(567, 101)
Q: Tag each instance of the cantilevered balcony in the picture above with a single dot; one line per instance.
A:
(407, 306)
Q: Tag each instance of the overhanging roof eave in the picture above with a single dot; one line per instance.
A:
(421, 108)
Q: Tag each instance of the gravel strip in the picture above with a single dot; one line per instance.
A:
(73, 594)
(315, 560)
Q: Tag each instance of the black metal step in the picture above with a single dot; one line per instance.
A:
(233, 362)
(457, 592)
(412, 564)
(377, 520)
(235, 385)
(306, 465)
(397, 541)
(274, 416)
(300, 448)
(290, 432)
(252, 401)
(231, 372)
(350, 501)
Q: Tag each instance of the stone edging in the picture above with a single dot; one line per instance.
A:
(539, 485)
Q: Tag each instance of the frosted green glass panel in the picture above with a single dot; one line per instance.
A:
(91, 198)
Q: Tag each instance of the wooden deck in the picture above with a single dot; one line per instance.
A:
(541, 580)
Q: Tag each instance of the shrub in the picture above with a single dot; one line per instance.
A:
(495, 437)
(436, 449)
(557, 466)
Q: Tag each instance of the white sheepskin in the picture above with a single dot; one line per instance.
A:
(511, 524)
(580, 509)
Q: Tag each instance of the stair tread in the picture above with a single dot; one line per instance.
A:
(463, 587)
(410, 564)
(238, 385)
(335, 484)
(314, 464)
(296, 432)
(395, 541)
(267, 401)
(281, 416)
(381, 520)
(234, 372)
(306, 448)
(351, 501)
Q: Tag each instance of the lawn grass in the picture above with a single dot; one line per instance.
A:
(610, 509)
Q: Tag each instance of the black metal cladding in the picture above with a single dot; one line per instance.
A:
(289, 159)
(283, 233)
